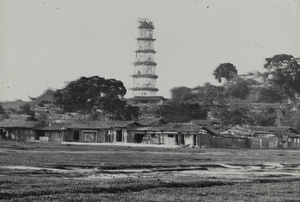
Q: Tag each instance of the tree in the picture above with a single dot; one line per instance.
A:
(131, 112)
(270, 95)
(180, 94)
(235, 116)
(26, 109)
(181, 112)
(238, 89)
(265, 117)
(94, 94)
(226, 71)
(284, 73)
(209, 93)
(2, 110)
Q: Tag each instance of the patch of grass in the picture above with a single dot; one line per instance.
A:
(47, 185)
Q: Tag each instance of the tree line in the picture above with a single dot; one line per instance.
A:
(105, 97)
(280, 81)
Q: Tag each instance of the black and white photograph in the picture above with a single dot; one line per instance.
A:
(149, 100)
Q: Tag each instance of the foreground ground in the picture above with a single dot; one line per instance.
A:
(57, 172)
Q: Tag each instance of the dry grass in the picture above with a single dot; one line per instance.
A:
(66, 171)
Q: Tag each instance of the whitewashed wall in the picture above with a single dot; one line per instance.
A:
(144, 69)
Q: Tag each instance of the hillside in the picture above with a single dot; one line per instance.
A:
(12, 106)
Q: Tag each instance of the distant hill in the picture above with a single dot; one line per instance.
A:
(11, 106)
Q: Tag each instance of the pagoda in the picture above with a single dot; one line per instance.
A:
(144, 77)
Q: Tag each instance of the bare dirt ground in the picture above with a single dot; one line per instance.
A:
(65, 172)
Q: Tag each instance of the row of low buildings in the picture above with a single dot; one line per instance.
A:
(197, 133)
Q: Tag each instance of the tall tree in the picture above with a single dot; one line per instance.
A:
(180, 94)
(91, 94)
(226, 71)
(284, 73)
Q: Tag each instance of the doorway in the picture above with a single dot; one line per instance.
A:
(176, 140)
(76, 135)
(118, 135)
(39, 134)
(182, 139)
(138, 137)
(194, 140)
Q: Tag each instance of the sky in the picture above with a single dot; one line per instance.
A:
(47, 43)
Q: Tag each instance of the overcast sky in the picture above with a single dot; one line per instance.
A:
(46, 43)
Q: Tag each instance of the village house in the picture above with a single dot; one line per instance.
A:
(167, 134)
(207, 134)
(20, 129)
(98, 131)
(224, 137)
(269, 137)
(147, 131)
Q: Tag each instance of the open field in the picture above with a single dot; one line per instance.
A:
(62, 172)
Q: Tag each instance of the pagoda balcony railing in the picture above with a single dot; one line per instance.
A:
(145, 51)
(149, 63)
(146, 39)
(144, 88)
(154, 76)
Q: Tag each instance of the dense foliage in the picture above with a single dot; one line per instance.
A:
(236, 116)
(266, 117)
(181, 112)
(246, 116)
(181, 93)
(209, 93)
(2, 110)
(238, 89)
(26, 109)
(284, 73)
(94, 95)
(226, 71)
(270, 95)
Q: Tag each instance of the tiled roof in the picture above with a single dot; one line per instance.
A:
(216, 130)
(145, 24)
(98, 124)
(200, 122)
(18, 123)
(53, 126)
(273, 129)
(175, 127)
(151, 121)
